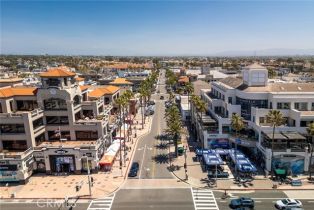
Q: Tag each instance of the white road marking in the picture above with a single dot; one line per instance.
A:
(204, 199)
(101, 204)
(142, 162)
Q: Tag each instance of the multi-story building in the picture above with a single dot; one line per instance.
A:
(252, 97)
(54, 128)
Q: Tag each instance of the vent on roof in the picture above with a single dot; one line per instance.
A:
(299, 88)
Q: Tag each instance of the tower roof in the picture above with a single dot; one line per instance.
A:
(58, 72)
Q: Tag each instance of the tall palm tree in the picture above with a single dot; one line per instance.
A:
(143, 94)
(128, 95)
(174, 125)
(189, 89)
(237, 124)
(119, 102)
(310, 131)
(276, 119)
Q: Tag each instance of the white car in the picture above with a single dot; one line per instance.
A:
(288, 204)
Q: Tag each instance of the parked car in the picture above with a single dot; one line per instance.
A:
(162, 97)
(296, 182)
(134, 169)
(149, 112)
(288, 204)
(242, 202)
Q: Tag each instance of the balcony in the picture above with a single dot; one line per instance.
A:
(5, 154)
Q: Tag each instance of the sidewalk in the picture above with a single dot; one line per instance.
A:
(57, 187)
(198, 178)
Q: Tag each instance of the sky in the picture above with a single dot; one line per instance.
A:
(154, 27)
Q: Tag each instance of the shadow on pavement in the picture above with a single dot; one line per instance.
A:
(161, 158)
(162, 146)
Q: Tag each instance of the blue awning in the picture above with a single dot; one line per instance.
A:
(212, 159)
(200, 152)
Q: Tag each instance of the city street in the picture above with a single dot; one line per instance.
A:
(151, 153)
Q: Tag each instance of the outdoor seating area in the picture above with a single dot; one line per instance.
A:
(213, 161)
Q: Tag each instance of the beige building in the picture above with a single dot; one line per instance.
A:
(52, 129)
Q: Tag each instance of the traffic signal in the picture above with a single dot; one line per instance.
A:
(77, 187)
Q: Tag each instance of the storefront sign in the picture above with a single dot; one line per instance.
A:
(61, 151)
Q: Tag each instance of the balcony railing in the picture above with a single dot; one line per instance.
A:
(15, 155)
(37, 112)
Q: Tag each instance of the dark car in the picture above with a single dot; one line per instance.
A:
(162, 97)
(151, 103)
(242, 202)
(220, 174)
(134, 169)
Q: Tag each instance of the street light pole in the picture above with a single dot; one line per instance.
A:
(88, 175)
(185, 165)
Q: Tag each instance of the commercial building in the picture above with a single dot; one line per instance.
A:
(55, 128)
(252, 97)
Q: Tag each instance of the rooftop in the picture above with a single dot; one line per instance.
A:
(17, 91)
(255, 66)
(105, 90)
(58, 72)
(9, 80)
(199, 85)
(121, 81)
(183, 79)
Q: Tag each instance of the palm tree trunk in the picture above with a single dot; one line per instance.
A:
(176, 144)
(120, 162)
(310, 162)
(124, 145)
(272, 153)
(235, 153)
(142, 112)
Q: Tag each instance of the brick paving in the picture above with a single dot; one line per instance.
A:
(47, 186)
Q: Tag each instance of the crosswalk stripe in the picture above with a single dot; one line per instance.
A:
(101, 204)
(204, 199)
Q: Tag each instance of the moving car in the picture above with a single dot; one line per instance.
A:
(151, 102)
(296, 182)
(134, 169)
(242, 202)
(288, 204)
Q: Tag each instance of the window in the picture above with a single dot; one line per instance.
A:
(262, 120)
(57, 120)
(26, 105)
(65, 81)
(300, 106)
(19, 145)
(12, 128)
(76, 100)
(54, 135)
(283, 105)
(86, 135)
(270, 105)
(37, 123)
(53, 82)
(312, 107)
(230, 100)
(55, 104)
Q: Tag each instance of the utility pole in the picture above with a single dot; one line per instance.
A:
(185, 165)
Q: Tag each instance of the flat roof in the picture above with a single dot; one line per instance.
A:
(276, 136)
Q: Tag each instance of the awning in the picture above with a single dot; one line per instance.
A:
(293, 136)
(276, 136)
(212, 159)
(106, 160)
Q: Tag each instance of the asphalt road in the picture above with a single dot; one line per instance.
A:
(152, 153)
(264, 200)
(154, 199)
(42, 206)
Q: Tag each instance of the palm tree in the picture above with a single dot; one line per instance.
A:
(119, 102)
(128, 95)
(143, 94)
(189, 89)
(310, 131)
(174, 125)
(237, 124)
(275, 118)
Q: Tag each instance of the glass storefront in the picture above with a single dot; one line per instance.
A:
(62, 163)
(294, 164)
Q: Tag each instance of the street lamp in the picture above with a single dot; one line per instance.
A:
(88, 175)
(185, 166)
